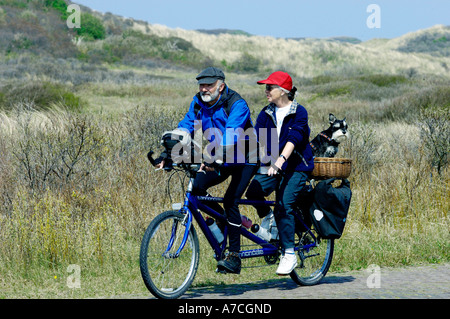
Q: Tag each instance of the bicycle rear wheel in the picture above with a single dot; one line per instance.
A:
(314, 260)
(165, 275)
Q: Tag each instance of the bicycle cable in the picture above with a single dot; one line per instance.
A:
(182, 181)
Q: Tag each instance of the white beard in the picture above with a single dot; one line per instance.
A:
(208, 97)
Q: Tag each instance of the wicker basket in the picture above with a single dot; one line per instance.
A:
(328, 167)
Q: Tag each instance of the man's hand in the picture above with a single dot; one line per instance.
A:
(160, 165)
(204, 168)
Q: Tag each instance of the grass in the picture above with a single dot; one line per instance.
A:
(93, 211)
(76, 125)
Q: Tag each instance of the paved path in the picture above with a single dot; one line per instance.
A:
(420, 282)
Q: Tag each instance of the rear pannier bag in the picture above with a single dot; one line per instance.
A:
(330, 206)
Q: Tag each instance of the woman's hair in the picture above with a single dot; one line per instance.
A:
(292, 93)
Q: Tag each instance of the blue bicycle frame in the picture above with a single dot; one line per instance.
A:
(192, 207)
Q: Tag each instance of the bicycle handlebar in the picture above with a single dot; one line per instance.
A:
(195, 167)
(150, 158)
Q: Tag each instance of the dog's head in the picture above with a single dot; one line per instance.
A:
(338, 128)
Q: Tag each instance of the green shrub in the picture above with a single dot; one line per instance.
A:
(408, 107)
(246, 63)
(134, 46)
(384, 80)
(91, 27)
(58, 5)
(39, 95)
(22, 4)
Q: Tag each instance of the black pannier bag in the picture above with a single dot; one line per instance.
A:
(329, 208)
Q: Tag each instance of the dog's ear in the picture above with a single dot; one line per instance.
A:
(331, 118)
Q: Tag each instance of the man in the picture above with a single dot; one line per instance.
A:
(224, 118)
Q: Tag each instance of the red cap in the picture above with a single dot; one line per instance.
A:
(279, 78)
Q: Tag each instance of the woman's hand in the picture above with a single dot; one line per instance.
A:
(279, 163)
(204, 168)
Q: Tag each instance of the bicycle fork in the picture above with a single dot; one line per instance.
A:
(187, 222)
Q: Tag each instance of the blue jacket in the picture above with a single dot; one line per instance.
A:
(295, 129)
(220, 122)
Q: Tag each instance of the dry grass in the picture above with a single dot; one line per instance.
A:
(75, 186)
(95, 218)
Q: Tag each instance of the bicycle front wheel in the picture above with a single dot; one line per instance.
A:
(314, 260)
(166, 275)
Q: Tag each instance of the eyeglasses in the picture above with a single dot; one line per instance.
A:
(271, 87)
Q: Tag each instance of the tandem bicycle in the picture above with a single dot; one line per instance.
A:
(169, 253)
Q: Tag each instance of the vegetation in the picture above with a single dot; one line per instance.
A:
(77, 119)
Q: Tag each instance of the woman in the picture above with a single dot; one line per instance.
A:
(295, 159)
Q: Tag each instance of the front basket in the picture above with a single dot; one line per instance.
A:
(329, 167)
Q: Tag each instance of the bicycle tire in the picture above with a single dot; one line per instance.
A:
(313, 264)
(166, 276)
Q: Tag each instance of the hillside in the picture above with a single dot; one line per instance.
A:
(312, 57)
(38, 27)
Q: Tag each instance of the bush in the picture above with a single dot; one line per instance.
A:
(135, 46)
(408, 107)
(58, 5)
(40, 95)
(53, 150)
(435, 132)
(246, 63)
(384, 80)
(91, 27)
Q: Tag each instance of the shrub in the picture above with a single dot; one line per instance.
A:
(91, 27)
(384, 80)
(41, 95)
(408, 106)
(58, 5)
(56, 149)
(134, 45)
(246, 63)
(435, 131)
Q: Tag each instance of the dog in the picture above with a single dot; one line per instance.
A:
(326, 143)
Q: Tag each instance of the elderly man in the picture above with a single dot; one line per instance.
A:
(223, 116)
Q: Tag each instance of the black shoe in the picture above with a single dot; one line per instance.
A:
(230, 264)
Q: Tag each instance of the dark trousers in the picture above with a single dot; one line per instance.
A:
(240, 178)
(288, 190)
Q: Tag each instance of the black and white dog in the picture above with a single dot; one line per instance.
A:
(326, 143)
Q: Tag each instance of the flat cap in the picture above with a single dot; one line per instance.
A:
(210, 75)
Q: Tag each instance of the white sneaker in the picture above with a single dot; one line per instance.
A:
(287, 263)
